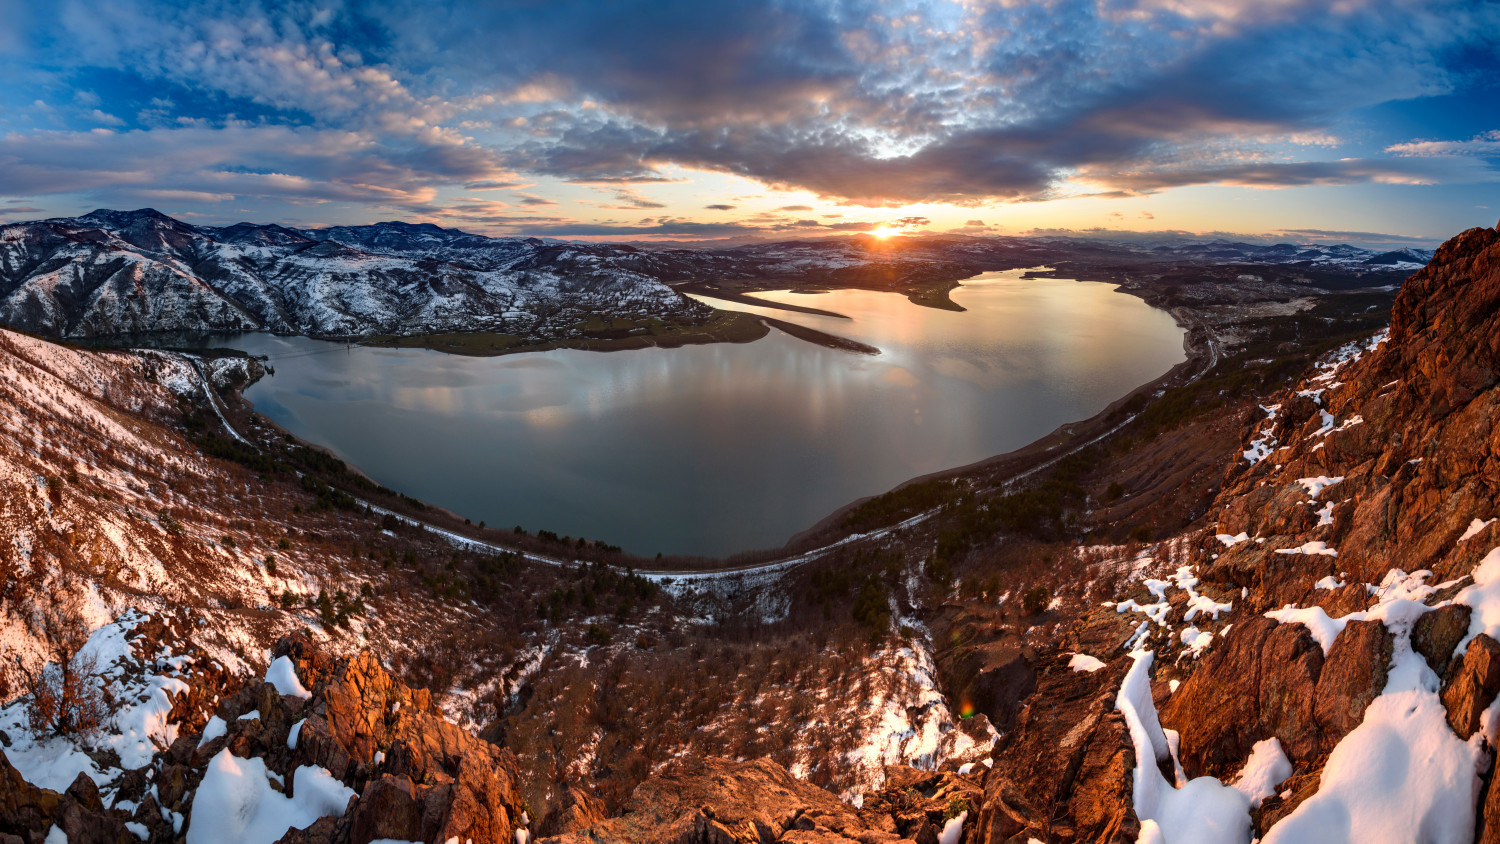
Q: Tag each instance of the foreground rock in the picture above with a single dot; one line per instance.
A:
(344, 726)
(757, 802)
(419, 777)
(28, 814)
(1063, 773)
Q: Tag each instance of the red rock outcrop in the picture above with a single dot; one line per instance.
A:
(1415, 438)
(1063, 772)
(759, 802)
(419, 777)
(1472, 686)
(28, 813)
(1410, 432)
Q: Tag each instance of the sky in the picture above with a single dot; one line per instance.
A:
(1371, 121)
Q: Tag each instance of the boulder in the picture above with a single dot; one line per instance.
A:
(1260, 680)
(26, 811)
(1437, 633)
(921, 802)
(388, 808)
(1066, 765)
(1353, 675)
(1488, 831)
(727, 802)
(83, 819)
(1472, 685)
(575, 810)
(1269, 679)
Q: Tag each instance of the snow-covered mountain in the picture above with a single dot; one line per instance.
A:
(114, 272)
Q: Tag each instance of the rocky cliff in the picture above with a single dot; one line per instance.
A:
(1357, 528)
(1318, 660)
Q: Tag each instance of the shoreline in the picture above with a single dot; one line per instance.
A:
(928, 294)
(1201, 355)
(723, 327)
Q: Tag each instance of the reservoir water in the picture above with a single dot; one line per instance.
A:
(721, 448)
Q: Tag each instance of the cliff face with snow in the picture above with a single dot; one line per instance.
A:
(1354, 536)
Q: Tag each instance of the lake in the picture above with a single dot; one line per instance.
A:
(722, 448)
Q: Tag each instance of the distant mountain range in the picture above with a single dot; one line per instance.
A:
(124, 272)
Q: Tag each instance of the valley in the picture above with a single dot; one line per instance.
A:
(910, 658)
(717, 450)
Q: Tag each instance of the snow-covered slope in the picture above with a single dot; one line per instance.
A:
(113, 272)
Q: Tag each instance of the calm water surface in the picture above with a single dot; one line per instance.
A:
(722, 448)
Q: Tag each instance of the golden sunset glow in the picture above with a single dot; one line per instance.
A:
(1017, 119)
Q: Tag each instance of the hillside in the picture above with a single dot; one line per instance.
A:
(112, 272)
(143, 534)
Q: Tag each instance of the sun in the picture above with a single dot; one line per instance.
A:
(884, 232)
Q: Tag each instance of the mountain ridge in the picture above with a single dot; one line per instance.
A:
(110, 273)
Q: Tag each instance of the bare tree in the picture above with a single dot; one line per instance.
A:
(65, 697)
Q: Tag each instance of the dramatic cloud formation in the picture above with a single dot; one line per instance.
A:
(905, 108)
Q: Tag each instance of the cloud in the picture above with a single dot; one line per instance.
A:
(261, 161)
(675, 228)
(666, 62)
(1048, 90)
(1484, 144)
(1348, 171)
(861, 103)
(720, 207)
(532, 200)
(1358, 238)
(98, 116)
(795, 208)
(629, 198)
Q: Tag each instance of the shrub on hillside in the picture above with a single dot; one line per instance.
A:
(1035, 600)
(899, 504)
(65, 698)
